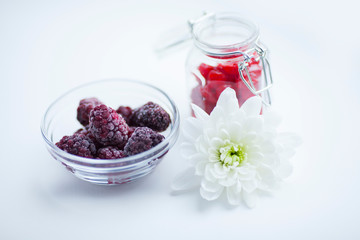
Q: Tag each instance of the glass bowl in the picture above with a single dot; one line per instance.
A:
(60, 120)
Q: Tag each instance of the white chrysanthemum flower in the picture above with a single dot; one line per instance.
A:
(235, 151)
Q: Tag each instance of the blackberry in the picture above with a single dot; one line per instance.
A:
(142, 140)
(150, 115)
(84, 109)
(110, 153)
(78, 144)
(108, 127)
(125, 112)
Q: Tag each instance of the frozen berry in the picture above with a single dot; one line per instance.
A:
(78, 144)
(88, 134)
(108, 127)
(83, 131)
(152, 116)
(110, 153)
(84, 109)
(131, 131)
(125, 112)
(142, 140)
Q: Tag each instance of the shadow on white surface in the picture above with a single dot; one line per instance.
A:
(77, 188)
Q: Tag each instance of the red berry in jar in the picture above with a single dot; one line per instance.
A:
(226, 53)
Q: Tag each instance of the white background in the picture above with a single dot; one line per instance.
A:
(49, 47)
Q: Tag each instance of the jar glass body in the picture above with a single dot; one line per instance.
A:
(222, 45)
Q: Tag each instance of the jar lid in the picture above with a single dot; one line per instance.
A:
(213, 32)
(223, 33)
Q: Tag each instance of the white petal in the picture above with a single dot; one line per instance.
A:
(235, 131)
(208, 174)
(210, 132)
(215, 174)
(250, 185)
(252, 106)
(239, 116)
(269, 133)
(254, 124)
(230, 179)
(199, 113)
(253, 149)
(246, 173)
(271, 159)
(233, 195)
(224, 134)
(200, 168)
(192, 128)
(185, 180)
(268, 147)
(210, 195)
(250, 198)
(187, 149)
(216, 142)
(218, 170)
(228, 101)
(227, 182)
(285, 169)
(217, 113)
(202, 145)
(210, 186)
(255, 157)
(249, 137)
(196, 158)
(268, 178)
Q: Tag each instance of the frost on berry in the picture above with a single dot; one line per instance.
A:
(125, 112)
(110, 152)
(78, 144)
(142, 140)
(108, 127)
(150, 115)
(84, 109)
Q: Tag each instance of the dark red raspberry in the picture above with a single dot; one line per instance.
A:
(110, 153)
(87, 133)
(125, 112)
(142, 140)
(84, 109)
(152, 116)
(108, 127)
(131, 131)
(78, 144)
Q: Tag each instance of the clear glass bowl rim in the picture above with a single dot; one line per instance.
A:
(135, 158)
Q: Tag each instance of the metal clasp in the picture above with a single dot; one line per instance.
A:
(264, 92)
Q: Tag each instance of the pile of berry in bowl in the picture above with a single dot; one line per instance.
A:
(111, 131)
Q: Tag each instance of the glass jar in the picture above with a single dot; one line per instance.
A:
(226, 53)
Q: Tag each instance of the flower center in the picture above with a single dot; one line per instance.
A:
(232, 154)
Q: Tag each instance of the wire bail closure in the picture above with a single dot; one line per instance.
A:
(267, 74)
